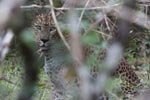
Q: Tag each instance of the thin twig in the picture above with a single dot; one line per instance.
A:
(82, 13)
(103, 34)
(146, 12)
(68, 8)
(5, 44)
(112, 24)
(57, 26)
(106, 22)
(93, 25)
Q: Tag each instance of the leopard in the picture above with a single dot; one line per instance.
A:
(57, 57)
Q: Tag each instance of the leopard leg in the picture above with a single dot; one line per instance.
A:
(130, 81)
(57, 83)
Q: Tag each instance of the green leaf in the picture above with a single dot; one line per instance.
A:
(91, 38)
(28, 38)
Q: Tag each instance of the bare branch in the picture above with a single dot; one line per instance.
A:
(82, 13)
(5, 44)
(68, 8)
(57, 26)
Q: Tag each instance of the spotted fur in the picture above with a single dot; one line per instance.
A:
(57, 57)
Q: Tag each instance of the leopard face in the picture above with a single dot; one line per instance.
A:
(44, 30)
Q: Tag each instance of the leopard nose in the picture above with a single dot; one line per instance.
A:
(44, 40)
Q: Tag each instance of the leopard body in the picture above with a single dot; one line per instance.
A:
(58, 57)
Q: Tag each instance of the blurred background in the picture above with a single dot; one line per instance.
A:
(99, 22)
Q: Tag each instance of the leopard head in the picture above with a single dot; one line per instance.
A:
(44, 30)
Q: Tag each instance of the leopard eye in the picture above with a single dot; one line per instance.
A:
(38, 27)
(51, 29)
